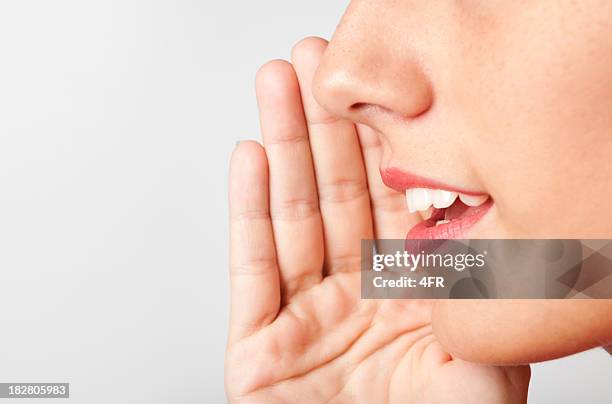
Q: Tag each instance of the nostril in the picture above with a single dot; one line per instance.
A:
(365, 110)
(364, 96)
(357, 106)
(361, 111)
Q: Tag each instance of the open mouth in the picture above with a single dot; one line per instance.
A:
(447, 212)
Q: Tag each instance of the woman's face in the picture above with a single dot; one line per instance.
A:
(507, 98)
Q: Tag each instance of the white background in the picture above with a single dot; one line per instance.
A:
(117, 119)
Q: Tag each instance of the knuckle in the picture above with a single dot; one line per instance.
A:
(287, 139)
(295, 209)
(251, 215)
(342, 190)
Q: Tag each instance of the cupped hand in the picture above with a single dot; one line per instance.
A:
(299, 206)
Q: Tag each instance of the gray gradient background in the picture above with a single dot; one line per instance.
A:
(116, 122)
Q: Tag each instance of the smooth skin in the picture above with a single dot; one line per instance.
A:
(299, 205)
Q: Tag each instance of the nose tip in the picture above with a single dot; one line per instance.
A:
(353, 87)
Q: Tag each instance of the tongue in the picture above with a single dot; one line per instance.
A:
(459, 209)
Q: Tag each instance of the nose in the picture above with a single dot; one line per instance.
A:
(363, 73)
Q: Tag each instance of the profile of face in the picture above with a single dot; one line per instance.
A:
(507, 98)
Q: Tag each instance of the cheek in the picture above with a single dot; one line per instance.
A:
(543, 115)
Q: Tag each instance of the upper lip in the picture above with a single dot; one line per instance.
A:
(401, 180)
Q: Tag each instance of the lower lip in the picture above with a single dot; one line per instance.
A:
(456, 228)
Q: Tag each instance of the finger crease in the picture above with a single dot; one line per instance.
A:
(249, 215)
(287, 140)
(330, 120)
(295, 209)
(342, 190)
(255, 267)
(343, 263)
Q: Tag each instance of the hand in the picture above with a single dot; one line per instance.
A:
(299, 207)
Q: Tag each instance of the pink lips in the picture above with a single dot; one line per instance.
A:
(462, 217)
(402, 180)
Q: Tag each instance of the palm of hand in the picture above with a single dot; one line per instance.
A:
(299, 330)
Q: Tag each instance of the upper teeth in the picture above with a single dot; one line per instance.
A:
(421, 199)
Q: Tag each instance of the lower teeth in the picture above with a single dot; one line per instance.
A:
(439, 222)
